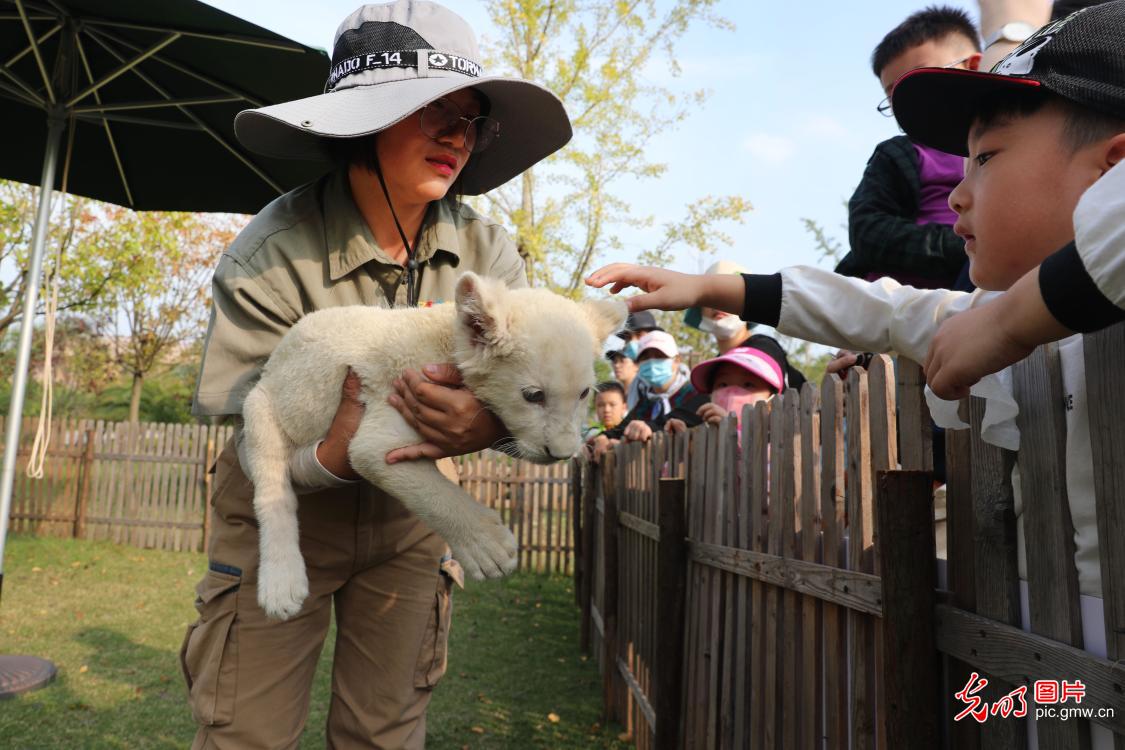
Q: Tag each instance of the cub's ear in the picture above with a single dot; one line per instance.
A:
(482, 309)
(606, 317)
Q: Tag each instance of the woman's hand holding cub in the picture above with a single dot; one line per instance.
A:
(332, 453)
(448, 417)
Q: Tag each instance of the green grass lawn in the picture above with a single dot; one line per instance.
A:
(112, 618)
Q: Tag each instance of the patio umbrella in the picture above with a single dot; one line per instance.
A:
(145, 94)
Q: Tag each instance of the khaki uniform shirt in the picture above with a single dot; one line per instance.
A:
(311, 249)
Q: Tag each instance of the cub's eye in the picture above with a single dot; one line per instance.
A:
(534, 396)
(582, 396)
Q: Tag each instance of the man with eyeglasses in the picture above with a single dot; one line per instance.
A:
(899, 221)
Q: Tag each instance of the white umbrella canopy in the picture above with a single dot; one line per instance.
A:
(137, 100)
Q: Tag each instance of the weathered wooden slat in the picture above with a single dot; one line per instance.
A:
(725, 530)
(911, 672)
(641, 526)
(596, 619)
(833, 466)
(99, 502)
(586, 538)
(759, 506)
(811, 714)
(82, 504)
(884, 450)
(790, 620)
(915, 433)
(610, 690)
(861, 633)
(771, 684)
(855, 590)
(1020, 658)
(142, 523)
(1052, 579)
(671, 583)
(1104, 352)
(743, 539)
(961, 551)
(712, 530)
(638, 693)
(997, 573)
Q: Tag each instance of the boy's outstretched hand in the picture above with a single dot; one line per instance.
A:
(669, 290)
(986, 339)
(967, 347)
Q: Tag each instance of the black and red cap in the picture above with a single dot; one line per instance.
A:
(1080, 57)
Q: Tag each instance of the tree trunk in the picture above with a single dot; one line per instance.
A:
(527, 207)
(135, 398)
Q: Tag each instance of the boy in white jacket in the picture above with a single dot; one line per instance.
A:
(1038, 133)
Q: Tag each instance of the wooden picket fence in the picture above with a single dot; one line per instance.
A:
(146, 486)
(143, 485)
(778, 589)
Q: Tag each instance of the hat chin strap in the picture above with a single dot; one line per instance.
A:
(411, 263)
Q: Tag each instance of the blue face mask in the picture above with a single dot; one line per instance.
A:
(630, 350)
(656, 372)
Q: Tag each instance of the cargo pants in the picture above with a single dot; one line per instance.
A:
(390, 580)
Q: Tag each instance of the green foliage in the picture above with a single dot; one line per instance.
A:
(89, 382)
(828, 248)
(132, 291)
(568, 210)
(164, 398)
(82, 252)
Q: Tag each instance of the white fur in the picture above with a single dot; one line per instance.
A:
(504, 342)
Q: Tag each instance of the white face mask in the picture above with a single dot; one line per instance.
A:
(722, 329)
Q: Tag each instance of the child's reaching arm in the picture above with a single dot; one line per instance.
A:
(669, 290)
(808, 303)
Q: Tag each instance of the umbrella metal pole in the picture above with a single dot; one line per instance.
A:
(55, 124)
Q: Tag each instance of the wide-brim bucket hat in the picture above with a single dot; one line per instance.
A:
(388, 61)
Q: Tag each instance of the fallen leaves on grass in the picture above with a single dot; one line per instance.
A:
(553, 717)
(477, 730)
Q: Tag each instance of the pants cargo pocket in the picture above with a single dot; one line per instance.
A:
(209, 655)
(435, 644)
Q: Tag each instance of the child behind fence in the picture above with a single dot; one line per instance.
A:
(1039, 133)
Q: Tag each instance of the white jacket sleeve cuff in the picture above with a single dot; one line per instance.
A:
(309, 475)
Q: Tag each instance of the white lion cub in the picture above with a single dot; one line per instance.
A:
(528, 354)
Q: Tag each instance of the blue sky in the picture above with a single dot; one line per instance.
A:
(789, 123)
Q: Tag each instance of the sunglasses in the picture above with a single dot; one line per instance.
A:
(443, 118)
(884, 107)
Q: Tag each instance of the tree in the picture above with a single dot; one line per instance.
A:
(78, 256)
(164, 307)
(567, 211)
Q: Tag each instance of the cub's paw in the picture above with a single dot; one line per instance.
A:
(489, 552)
(283, 585)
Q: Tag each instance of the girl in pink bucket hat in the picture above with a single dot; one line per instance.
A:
(742, 376)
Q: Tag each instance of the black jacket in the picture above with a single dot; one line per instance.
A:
(881, 214)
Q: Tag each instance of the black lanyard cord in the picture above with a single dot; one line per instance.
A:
(411, 263)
